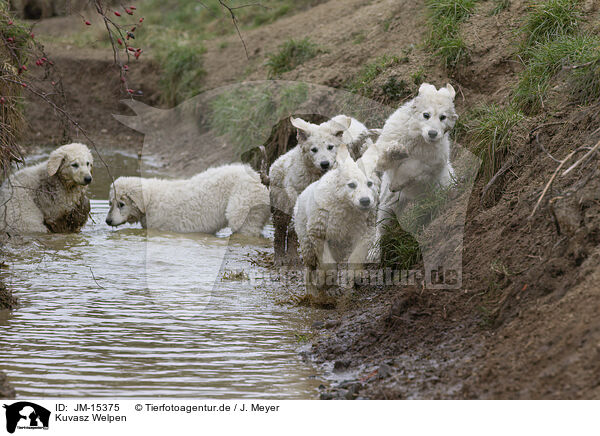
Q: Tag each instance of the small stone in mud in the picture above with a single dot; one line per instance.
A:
(330, 323)
(384, 371)
(318, 324)
(326, 396)
(340, 365)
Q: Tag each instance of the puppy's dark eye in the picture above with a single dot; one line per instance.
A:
(330, 147)
(121, 204)
(442, 117)
(352, 185)
(314, 149)
(426, 115)
(75, 165)
(369, 183)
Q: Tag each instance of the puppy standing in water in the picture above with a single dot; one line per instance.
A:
(335, 221)
(227, 196)
(414, 151)
(50, 196)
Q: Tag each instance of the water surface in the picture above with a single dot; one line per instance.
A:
(129, 313)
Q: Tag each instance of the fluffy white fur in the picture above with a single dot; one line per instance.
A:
(227, 196)
(334, 219)
(50, 196)
(314, 155)
(413, 150)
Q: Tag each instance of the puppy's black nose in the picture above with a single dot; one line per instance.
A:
(432, 133)
(109, 221)
(87, 180)
(364, 201)
(325, 164)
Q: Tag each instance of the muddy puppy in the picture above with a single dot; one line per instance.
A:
(335, 221)
(50, 196)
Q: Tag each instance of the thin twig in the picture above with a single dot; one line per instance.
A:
(576, 164)
(537, 140)
(562, 162)
(237, 29)
(575, 67)
(502, 170)
(94, 277)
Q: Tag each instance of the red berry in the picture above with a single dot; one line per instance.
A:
(130, 91)
(129, 11)
(2, 100)
(11, 39)
(117, 13)
(32, 35)
(119, 41)
(132, 7)
(9, 22)
(87, 23)
(141, 20)
(122, 79)
(125, 67)
(43, 59)
(24, 67)
(130, 48)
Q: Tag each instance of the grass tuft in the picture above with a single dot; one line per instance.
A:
(399, 248)
(362, 82)
(499, 6)
(444, 40)
(546, 60)
(182, 72)
(550, 20)
(291, 54)
(246, 114)
(490, 129)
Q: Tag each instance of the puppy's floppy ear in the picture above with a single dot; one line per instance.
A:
(303, 127)
(451, 90)
(54, 161)
(340, 125)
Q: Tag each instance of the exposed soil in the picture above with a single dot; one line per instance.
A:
(525, 323)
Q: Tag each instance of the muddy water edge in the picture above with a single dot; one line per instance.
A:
(125, 312)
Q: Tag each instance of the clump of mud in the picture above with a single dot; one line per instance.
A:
(7, 300)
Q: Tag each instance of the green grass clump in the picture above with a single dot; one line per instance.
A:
(181, 72)
(550, 20)
(398, 248)
(210, 19)
(490, 129)
(456, 10)
(500, 6)
(291, 54)
(444, 40)
(398, 245)
(546, 60)
(362, 83)
(246, 114)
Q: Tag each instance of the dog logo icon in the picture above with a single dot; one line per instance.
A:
(26, 415)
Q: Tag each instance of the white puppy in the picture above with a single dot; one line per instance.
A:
(227, 196)
(292, 172)
(413, 152)
(50, 196)
(334, 219)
